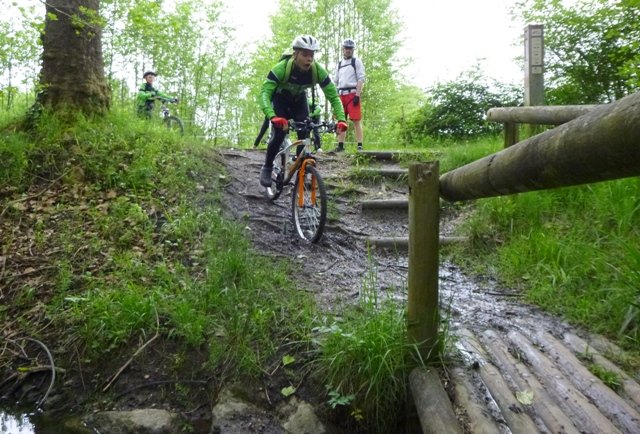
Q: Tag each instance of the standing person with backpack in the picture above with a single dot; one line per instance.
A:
(283, 96)
(349, 78)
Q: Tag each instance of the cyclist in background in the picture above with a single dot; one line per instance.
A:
(147, 95)
(283, 96)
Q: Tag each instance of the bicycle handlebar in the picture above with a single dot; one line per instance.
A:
(165, 100)
(308, 126)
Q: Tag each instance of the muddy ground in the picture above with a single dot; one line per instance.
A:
(342, 260)
(545, 365)
(338, 263)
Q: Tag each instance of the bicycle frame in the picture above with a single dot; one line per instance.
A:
(303, 159)
(165, 112)
(308, 196)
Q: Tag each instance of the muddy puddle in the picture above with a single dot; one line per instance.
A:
(23, 423)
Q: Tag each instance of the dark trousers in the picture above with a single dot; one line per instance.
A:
(144, 111)
(287, 107)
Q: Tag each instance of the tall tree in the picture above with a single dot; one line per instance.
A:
(72, 75)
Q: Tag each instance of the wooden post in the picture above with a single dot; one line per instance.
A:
(533, 70)
(424, 217)
(534, 65)
(510, 134)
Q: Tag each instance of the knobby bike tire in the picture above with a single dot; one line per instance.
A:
(277, 178)
(310, 218)
(174, 123)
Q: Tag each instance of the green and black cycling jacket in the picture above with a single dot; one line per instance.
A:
(146, 91)
(296, 86)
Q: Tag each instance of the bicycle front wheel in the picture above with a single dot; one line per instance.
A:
(174, 123)
(309, 204)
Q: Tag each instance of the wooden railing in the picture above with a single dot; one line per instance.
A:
(511, 117)
(602, 144)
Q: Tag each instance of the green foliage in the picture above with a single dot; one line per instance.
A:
(457, 109)
(19, 55)
(86, 22)
(591, 48)
(14, 158)
(575, 249)
(336, 399)
(366, 357)
(138, 255)
(364, 360)
(608, 377)
(456, 154)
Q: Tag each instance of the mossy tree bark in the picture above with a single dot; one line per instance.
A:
(72, 75)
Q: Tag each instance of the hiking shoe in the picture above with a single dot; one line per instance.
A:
(319, 151)
(339, 148)
(359, 147)
(265, 176)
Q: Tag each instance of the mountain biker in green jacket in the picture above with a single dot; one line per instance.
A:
(147, 95)
(283, 96)
(315, 113)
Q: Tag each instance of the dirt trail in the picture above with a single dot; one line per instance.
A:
(520, 370)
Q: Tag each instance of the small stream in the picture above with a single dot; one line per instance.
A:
(16, 424)
(23, 423)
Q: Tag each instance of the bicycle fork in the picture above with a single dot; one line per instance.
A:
(301, 173)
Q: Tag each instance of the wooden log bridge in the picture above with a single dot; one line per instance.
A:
(603, 144)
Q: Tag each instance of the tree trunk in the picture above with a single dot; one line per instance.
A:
(72, 75)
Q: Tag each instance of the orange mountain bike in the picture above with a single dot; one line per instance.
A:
(308, 196)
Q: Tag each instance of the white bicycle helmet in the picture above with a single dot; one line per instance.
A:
(348, 43)
(305, 42)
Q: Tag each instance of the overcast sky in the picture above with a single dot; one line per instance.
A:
(444, 37)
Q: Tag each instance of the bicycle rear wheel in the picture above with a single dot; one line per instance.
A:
(309, 205)
(174, 123)
(277, 177)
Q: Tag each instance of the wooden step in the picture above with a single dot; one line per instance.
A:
(388, 155)
(382, 172)
(401, 204)
(402, 243)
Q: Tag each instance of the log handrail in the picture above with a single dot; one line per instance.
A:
(543, 115)
(601, 145)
